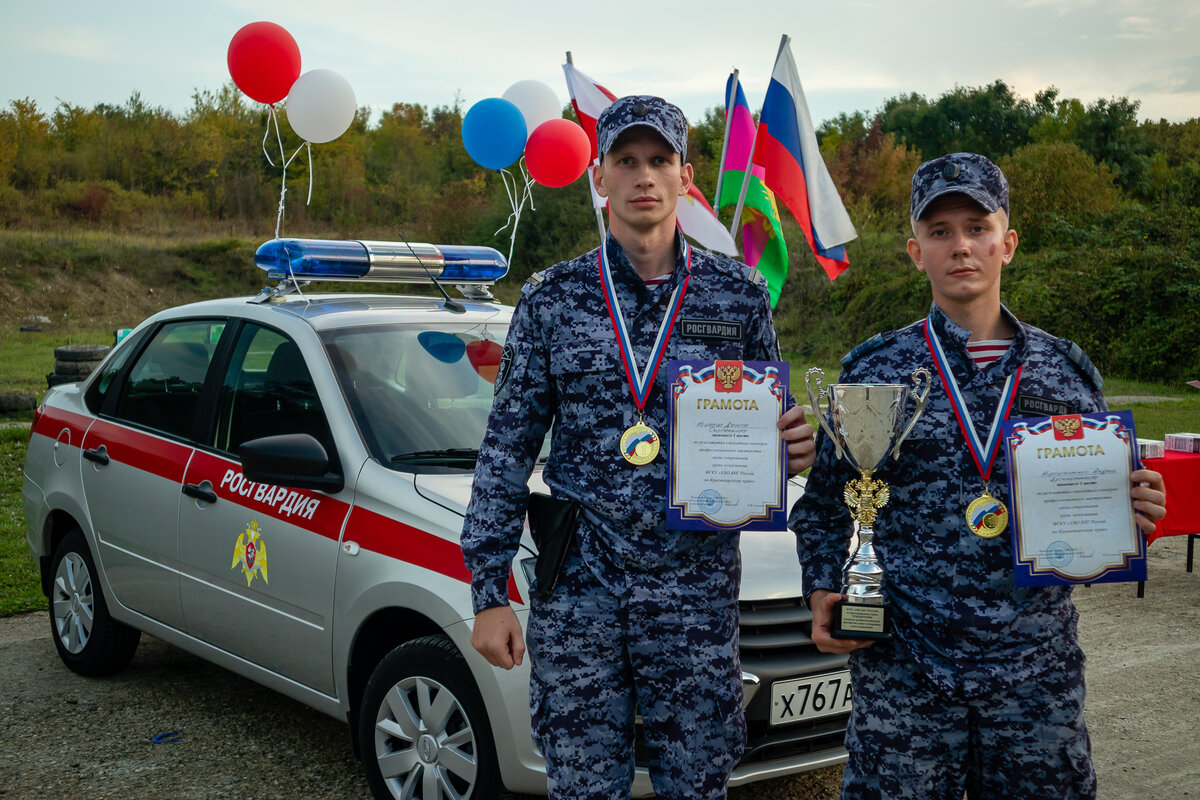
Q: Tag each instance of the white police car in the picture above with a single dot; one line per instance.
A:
(278, 483)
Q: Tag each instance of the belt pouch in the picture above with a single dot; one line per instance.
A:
(552, 522)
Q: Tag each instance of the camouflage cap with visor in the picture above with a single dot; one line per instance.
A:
(653, 112)
(966, 173)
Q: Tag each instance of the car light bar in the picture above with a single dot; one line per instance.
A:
(387, 262)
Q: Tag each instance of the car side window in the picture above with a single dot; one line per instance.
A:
(98, 390)
(164, 385)
(267, 391)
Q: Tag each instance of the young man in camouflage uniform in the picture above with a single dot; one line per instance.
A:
(980, 690)
(643, 619)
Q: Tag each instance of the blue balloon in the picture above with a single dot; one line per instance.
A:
(493, 132)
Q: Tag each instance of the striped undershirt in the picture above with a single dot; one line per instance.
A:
(655, 282)
(985, 351)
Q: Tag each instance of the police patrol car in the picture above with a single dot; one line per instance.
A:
(277, 484)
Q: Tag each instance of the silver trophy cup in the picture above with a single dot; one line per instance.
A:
(867, 423)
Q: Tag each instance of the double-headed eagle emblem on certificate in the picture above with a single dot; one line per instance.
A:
(729, 374)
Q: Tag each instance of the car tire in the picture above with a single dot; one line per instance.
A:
(76, 370)
(81, 352)
(423, 731)
(89, 641)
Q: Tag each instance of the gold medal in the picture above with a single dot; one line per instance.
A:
(639, 444)
(987, 516)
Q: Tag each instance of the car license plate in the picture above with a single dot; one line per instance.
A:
(810, 698)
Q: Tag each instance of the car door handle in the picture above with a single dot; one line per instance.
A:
(99, 455)
(200, 493)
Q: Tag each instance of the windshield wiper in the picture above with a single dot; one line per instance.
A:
(452, 455)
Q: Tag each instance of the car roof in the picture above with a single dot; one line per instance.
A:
(343, 310)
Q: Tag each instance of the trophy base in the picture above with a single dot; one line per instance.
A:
(861, 621)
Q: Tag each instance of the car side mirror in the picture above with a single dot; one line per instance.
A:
(296, 460)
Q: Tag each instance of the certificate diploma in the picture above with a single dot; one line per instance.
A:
(1068, 477)
(727, 460)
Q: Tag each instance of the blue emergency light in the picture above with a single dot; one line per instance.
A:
(387, 262)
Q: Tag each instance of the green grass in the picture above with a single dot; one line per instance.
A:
(28, 357)
(19, 589)
(1155, 419)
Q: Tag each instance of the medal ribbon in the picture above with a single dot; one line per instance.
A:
(984, 454)
(640, 382)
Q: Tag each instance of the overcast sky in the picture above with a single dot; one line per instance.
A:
(851, 55)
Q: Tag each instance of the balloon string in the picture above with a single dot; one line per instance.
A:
(282, 194)
(526, 196)
(283, 185)
(308, 146)
(272, 121)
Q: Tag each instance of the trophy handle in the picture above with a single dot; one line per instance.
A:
(814, 398)
(922, 380)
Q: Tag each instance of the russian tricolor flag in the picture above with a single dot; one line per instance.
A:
(786, 148)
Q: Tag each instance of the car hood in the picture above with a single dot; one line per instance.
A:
(770, 569)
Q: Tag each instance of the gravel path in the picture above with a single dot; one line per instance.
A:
(66, 736)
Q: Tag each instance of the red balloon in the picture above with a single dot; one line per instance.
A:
(558, 151)
(264, 61)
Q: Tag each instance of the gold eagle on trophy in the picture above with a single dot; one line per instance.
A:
(865, 496)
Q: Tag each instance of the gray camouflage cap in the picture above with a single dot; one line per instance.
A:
(642, 109)
(966, 173)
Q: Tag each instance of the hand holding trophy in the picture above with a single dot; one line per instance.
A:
(865, 423)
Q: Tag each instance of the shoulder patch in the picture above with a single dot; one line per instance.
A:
(504, 369)
(874, 343)
(1076, 356)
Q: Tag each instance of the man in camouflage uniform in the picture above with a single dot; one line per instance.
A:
(980, 690)
(643, 619)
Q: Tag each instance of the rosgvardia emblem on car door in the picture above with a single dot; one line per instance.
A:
(251, 553)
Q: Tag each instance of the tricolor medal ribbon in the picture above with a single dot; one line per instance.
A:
(640, 444)
(986, 516)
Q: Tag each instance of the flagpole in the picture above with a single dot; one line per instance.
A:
(737, 214)
(732, 93)
(599, 213)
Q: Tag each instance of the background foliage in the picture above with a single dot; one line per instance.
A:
(139, 208)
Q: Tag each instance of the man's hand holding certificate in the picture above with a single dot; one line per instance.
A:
(1069, 480)
(728, 463)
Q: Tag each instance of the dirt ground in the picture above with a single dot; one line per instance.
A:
(66, 736)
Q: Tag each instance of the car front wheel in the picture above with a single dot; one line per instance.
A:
(89, 641)
(423, 730)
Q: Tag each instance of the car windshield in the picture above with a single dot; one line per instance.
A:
(419, 396)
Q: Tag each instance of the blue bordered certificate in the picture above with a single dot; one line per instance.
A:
(727, 461)
(1068, 477)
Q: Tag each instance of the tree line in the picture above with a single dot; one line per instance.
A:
(1106, 205)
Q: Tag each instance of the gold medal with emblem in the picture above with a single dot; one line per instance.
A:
(987, 516)
(251, 553)
(639, 444)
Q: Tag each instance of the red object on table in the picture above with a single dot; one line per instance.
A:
(1181, 474)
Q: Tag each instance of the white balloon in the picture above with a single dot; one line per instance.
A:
(320, 106)
(536, 100)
